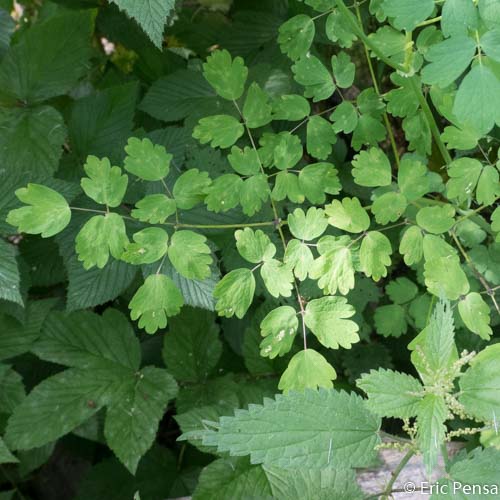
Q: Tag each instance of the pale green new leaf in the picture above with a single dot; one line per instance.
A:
(278, 278)
(307, 370)
(375, 255)
(299, 257)
(190, 255)
(234, 293)
(329, 428)
(105, 184)
(327, 319)
(348, 215)
(287, 186)
(219, 130)
(389, 207)
(488, 186)
(371, 168)
(320, 137)
(311, 73)
(412, 245)
(257, 108)
(190, 188)
(47, 212)
(254, 246)
(278, 328)
(390, 393)
(226, 75)
(154, 208)
(437, 219)
(155, 301)
(475, 313)
(149, 246)
(101, 236)
(146, 160)
(307, 226)
(296, 36)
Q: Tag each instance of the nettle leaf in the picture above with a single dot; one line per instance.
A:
(390, 393)
(312, 74)
(278, 278)
(105, 184)
(371, 168)
(191, 188)
(475, 313)
(278, 328)
(464, 174)
(155, 301)
(320, 137)
(244, 161)
(234, 293)
(190, 255)
(412, 245)
(343, 70)
(290, 107)
(254, 246)
(348, 215)
(101, 236)
(444, 275)
(437, 219)
(480, 385)
(307, 226)
(154, 208)
(220, 131)
(10, 279)
(323, 419)
(150, 14)
(390, 320)
(307, 370)
(296, 36)
(149, 246)
(448, 60)
(254, 192)
(375, 255)
(327, 319)
(413, 180)
(226, 75)
(478, 99)
(48, 212)
(224, 193)
(257, 108)
(299, 257)
(146, 160)
(389, 207)
(6, 456)
(407, 13)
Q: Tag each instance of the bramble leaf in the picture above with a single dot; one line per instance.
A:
(412, 245)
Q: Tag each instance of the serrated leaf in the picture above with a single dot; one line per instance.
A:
(154, 208)
(278, 328)
(149, 246)
(407, 13)
(327, 319)
(191, 188)
(375, 255)
(371, 168)
(234, 293)
(146, 160)
(151, 15)
(390, 320)
(254, 246)
(296, 36)
(192, 348)
(190, 255)
(48, 212)
(437, 220)
(390, 393)
(323, 419)
(257, 108)
(277, 277)
(320, 137)
(101, 236)
(10, 278)
(412, 245)
(220, 131)
(475, 313)
(311, 73)
(348, 215)
(226, 75)
(244, 161)
(154, 302)
(389, 207)
(307, 226)
(105, 184)
(6, 457)
(401, 290)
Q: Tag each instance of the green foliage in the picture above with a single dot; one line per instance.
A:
(286, 194)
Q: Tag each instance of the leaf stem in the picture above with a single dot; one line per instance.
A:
(396, 472)
(429, 21)
(223, 226)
